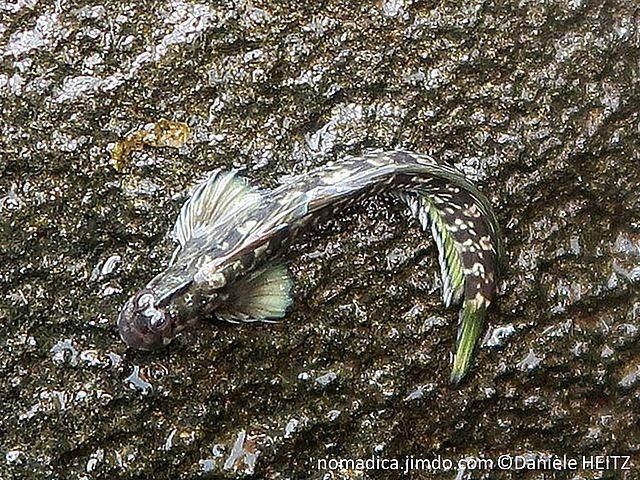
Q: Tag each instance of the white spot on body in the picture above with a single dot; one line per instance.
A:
(462, 225)
(423, 160)
(217, 280)
(485, 243)
(477, 269)
(472, 211)
(247, 227)
(481, 300)
(337, 176)
(261, 250)
(207, 274)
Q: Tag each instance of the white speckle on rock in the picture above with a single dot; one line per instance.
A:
(46, 33)
(135, 382)
(76, 87)
(496, 337)
(91, 358)
(326, 379)
(417, 394)
(252, 55)
(530, 362)
(392, 8)
(207, 464)
(95, 458)
(574, 245)
(12, 456)
(64, 350)
(606, 352)
(110, 264)
(333, 415)
(291, 427)
(631, 379)
(238, 452)
(109, 291)
(168, 443)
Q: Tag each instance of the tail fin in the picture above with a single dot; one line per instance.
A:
(468, 241)
(458, 215)
(470, 326)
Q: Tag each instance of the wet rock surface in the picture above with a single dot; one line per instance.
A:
(538, 102)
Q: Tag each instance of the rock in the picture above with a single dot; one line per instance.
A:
(536, 101)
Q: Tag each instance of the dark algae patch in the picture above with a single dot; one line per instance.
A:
(535, 102)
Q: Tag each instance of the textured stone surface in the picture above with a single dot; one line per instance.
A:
(538, 101)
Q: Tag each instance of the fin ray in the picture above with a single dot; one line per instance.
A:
(449, 258)
(214, 201)
(263, 295)
(470, 325)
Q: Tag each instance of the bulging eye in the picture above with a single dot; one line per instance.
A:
(157, 321)
(142, 324)
(144, 306)
(143, 301)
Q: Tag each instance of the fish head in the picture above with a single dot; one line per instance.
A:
(143, 325)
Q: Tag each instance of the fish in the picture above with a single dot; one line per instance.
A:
(232, 238)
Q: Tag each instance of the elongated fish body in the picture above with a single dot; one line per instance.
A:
(231, 237)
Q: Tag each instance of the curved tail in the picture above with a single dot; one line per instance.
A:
(467, 236)
(468, 252)
(458, 215)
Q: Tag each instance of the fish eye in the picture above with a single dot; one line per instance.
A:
(144, 301)
(157, 320)
(145, 309)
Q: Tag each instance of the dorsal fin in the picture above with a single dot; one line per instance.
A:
(213, 202)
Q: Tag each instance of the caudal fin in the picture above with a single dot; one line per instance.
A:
(470, 327)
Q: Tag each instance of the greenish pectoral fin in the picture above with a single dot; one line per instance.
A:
(471, 323)
(260, 296)
(214, 201)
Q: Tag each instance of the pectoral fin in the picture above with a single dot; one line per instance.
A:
(261, 296)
